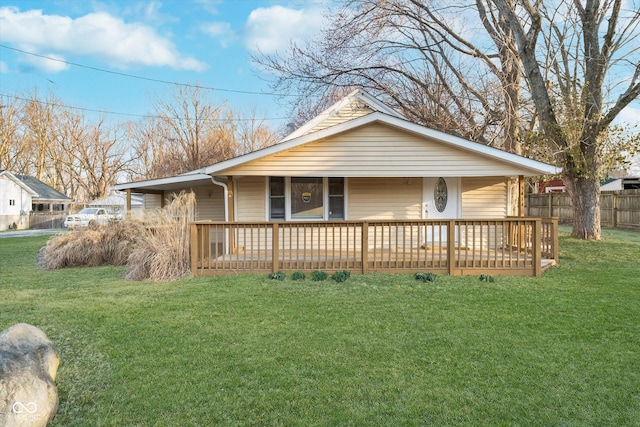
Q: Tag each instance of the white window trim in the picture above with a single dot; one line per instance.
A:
(287, 201)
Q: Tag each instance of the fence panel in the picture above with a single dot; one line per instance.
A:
(617, 208)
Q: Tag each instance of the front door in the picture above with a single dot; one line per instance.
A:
(440, 200)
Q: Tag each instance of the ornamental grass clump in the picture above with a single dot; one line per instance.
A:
(162, 253)
(109, 244)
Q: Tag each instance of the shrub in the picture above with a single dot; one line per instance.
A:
(280, 275)
(341, 276)
(426, 277)
(487, 278)
(90, 247)
(318, 276)
(163, 250)
(298, 275)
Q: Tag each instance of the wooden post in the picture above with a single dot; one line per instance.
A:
(364, 246)
(537, 247)
(232, 234)
(550, 203)
(521, 195)
(275, 248)
(615, 210)
(451, 246)
(554, 240)
(128, 201)
(193, 243)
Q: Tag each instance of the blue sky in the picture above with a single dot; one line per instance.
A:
(203, 42)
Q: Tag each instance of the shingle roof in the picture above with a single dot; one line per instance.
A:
(44, 191)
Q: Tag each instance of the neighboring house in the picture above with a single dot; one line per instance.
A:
(357, 161)
(611, 184)
(116, 203)
(617, 184)
(22, 197)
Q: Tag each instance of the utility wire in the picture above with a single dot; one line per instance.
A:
(133, 76)
(150, 116)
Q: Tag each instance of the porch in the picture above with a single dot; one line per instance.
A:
(507, 246)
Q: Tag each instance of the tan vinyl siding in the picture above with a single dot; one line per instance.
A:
(484, 197)
(151, 201)
(209, 203)
(250, 198)
(383, 198)
(352, 111)
(375, 150)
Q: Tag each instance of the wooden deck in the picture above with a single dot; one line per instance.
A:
(512, 246)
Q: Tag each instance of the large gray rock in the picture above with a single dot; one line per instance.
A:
(28, 365)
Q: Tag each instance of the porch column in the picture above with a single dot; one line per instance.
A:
(128, 201)
(521, 195)
(231, 205)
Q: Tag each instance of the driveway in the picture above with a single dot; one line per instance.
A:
(25, 233)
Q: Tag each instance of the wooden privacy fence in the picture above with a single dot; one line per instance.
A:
(619, 209)
(508, 246)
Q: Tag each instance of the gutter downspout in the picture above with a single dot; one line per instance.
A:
(225, 189)
(226, 197)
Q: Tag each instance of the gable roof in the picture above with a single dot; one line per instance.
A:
(524, 165)
(18, 182)
(43, 191)
(356, 111)
(356, 104)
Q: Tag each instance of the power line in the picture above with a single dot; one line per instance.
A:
(133, 76)
(150, 116)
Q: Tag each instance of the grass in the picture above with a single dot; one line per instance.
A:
(561, 350)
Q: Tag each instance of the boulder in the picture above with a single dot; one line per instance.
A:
(28, 365)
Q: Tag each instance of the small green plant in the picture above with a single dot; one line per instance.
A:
(319, 276)
(280, 275)
(298, 275)
(341, 276)
(487, 278)
(426, 277)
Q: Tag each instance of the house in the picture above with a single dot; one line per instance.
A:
(359, 162)
(22, 197)
(617, 184)
(116, 203)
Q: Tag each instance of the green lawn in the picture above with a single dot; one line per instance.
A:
(561, 350)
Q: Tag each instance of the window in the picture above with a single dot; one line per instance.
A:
(307, 201)
(336, 198)
(12, 202)
(306, 198)
(276, 197)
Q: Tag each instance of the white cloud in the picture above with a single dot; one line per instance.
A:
(221, 31)
(4, 68)
(29, 62)
(100, 35)
(629, 116)
(273, 29)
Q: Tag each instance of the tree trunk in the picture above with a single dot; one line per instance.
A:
(585, 198)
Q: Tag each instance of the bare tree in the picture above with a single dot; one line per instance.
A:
(532, 79)
(196, 132)
(568, 50)
(252, 133)
(11, 137)
(39, 121)
(409, 53)
(102, 156)
(189, 132)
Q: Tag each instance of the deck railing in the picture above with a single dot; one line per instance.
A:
(508, 246)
